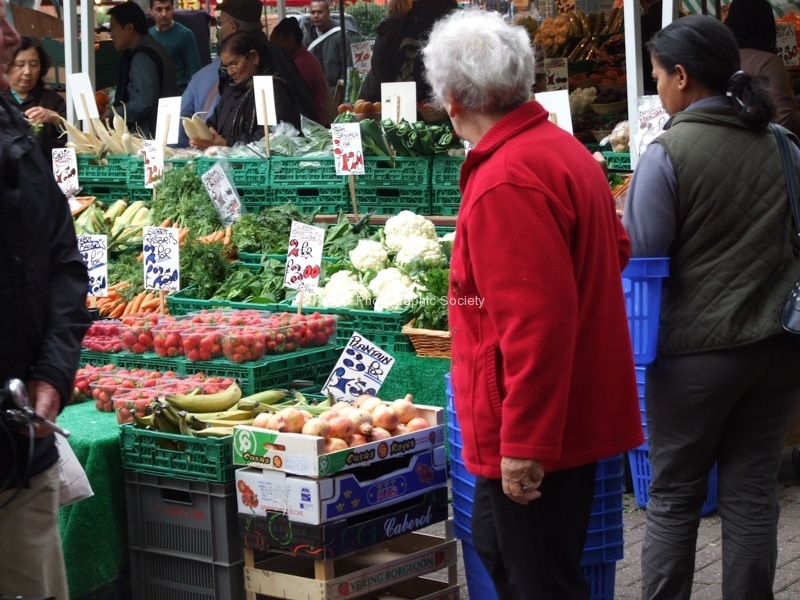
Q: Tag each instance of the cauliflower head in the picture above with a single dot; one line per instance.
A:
(404, 225)
(425, 249)
(395, 296)
(344, 290)
(369, 255)
(386, 277)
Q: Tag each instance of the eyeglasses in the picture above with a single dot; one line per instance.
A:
(220, 23)
(233, 67)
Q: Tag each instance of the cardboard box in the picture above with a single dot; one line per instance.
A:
(380, 568)
(321, 500)
(275, 532)
(420, 589)
(305, 454)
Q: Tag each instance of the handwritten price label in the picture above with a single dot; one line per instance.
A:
(556, 76)
(222, 194)
(161, 258)
(153, 163)
(304, 257)
(94, 252)
(786, 42)
(361, 369)
(65, 169)
(362, 55)
(347, 149)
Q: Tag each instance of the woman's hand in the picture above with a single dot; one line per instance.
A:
(521, 479)
(38, 115)
(202, 144)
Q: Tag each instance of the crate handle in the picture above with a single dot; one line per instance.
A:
(176, 496)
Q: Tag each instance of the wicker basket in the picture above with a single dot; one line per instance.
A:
(433, 115)
(610, 108)
(83, 202)
(428, 342)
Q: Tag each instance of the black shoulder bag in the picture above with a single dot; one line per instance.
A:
(790, 314)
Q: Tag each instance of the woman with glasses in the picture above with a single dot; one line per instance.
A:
(245, 55)
(42, 107)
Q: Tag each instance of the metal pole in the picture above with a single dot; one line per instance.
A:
(345, 46)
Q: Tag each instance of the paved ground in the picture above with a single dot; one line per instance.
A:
(708, 572)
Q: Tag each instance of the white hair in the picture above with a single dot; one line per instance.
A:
(475, 57)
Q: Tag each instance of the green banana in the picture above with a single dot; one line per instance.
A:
(162, 423)
(220, 423)
(142, 422)
(193, 403)
(233, 414)
(214, 432)
(183, 427)
(267, 396)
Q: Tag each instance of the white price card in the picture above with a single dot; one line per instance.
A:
(264, 94)
(361, 369)
(362, 55)
(161, 251)
(153, 163)
(649, 123)
(557, 104)
(304, 257)
(399, 101)
(786, 43)
(347, 150)
(65, 169)
(222, 194)
(168, 120)
(556, 76)
(94, 252)
(80, 89)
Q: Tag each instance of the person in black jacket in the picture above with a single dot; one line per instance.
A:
(43, 317)
(42, 106)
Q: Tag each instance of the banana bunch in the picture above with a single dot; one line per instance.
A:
(215, 415)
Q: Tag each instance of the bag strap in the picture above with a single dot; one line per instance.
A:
(324, 36)
(788, 171)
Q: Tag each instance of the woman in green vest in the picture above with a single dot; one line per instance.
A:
(710, 194)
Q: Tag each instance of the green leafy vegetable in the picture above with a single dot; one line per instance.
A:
(431, 308)
(204, 265)
(181, 197)
(267, 232)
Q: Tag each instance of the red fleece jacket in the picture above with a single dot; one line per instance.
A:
(542, 364)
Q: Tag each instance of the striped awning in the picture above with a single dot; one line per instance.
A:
(780, 7)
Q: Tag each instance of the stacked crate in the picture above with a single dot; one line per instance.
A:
(604, 543)
(250, 177)
(106, 179)
(310, 183)
(344, 524)
(445, 193)
(392, 185)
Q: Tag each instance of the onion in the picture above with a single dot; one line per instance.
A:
(274, 423)
(341, 427)
(328, 415)
(262, 420)
(370, 404)
(357, 440)
(317, 427)
(334, 445)
(416, 424)
(307, 416)
(378, 433)
(399, 430)
(385, 416)
(291, 420)
(343, 408)
(362, 421)
(405, 409)
(361, 399)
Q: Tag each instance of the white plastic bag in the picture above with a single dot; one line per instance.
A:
(74, 483)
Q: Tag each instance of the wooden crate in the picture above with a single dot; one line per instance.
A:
(381, 568)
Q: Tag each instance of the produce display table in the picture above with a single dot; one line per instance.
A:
(419, 375)
(94, 532)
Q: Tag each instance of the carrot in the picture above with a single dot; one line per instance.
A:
(137, 302)
(226, 240)
(118, 311)
(165, 223)
(182, 235)
(151, 305)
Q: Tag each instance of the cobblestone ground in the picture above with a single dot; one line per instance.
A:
(708, 568)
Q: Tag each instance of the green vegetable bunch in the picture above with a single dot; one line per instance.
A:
(181, 197)
(267, 232)
(204, 265)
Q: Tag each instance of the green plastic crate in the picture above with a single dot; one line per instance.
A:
(256, 200)
(273, 372)
(140, 193)
(114, 173)
(182, 303)
(329, 199)
(381, 328)
(150, 360)
(245, 173)
(618, 161)
(446, 171)
(445, 201)
(302, 171)
(398, 172)
(173, 455)
(105, 192)
(392, 200)
(96, 358)
(444, 229)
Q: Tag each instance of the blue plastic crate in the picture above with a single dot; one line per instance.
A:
(640, 472)
(641, 284)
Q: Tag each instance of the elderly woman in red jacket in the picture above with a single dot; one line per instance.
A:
(542, 365)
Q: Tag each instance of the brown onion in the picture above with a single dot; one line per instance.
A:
(385, 416)
(416, 424)
(334, 445)
(362, 421)
(405, 409)
(317, 427)
(341, 427)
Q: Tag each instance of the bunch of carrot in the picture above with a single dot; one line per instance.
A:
(115, 305)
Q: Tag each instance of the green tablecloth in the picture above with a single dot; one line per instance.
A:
(94, 532)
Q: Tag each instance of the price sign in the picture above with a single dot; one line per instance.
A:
(786, 43)
(650, 122)
(94, 252)
(264, 94)
(304, 257)
(362, 55)
(222, 194)
(557, 104)
(161, 258)
(65, 169)
(347, 150)
(556, 76)
(399, 101)
(168, 118)
(361, 369)
(80, 89)
(153, 163)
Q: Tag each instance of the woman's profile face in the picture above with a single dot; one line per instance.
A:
(668, 88)
(240, 68)
(24, 71)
